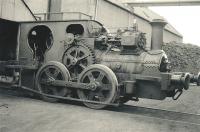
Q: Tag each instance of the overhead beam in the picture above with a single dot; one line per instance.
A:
(136, 3)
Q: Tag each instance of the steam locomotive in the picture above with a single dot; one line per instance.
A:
(79, 60)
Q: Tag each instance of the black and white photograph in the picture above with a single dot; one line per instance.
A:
(99, 66)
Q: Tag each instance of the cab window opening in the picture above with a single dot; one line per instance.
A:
(76, 29)
(40, 39)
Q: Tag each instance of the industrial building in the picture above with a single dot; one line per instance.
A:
(111, 13)
(15, 10)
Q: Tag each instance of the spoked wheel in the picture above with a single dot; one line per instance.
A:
(107, 86)
(49, 72)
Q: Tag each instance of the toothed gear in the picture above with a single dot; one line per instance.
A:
(77, 57)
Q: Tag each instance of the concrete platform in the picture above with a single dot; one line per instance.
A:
(22, 114)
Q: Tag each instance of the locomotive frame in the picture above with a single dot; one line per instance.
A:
(74, 60)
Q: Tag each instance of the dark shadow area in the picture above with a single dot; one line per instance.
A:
(76, 29)
(40, 39)
(8, 40)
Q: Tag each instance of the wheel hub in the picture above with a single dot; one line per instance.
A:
(74, 61)
(94, 86)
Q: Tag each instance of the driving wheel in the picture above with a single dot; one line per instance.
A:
(106, 86)
(49, 72)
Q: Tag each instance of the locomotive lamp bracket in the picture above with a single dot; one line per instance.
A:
(177, 94)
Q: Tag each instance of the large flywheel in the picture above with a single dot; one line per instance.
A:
(107, 86)
(77, 57)
(52, 71)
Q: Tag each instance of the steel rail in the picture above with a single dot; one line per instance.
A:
(64, 98)
(139, 3)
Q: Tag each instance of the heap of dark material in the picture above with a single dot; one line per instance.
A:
(183, 57)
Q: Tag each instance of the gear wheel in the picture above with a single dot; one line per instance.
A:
(77, 57)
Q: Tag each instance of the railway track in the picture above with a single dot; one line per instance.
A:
(137, 111)
(162, 114)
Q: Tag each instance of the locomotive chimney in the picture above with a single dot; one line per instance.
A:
(157, 33)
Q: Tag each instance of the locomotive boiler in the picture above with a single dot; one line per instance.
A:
(79, 60)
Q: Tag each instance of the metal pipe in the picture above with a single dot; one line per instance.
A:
(48, 10)
(162, 2)
(18, 43)
(96, 9)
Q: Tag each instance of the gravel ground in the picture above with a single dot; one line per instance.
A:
(24, 114)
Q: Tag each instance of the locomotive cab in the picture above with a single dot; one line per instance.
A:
(40, 39)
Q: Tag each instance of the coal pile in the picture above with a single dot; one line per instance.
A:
(183, 57)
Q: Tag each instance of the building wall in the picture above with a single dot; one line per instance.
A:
(76, 5)
(111, 16)
(37, 6)
(169, 37)
(84, 6)
(15, 10)
(145, 27)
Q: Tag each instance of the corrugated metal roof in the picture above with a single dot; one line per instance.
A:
(145, 13)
